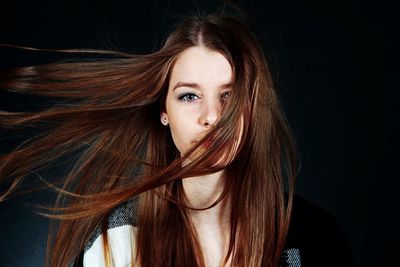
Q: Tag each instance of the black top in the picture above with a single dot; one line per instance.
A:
(320, 239)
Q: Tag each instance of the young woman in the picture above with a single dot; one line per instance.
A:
(184, 155)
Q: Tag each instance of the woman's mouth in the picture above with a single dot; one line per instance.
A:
(205, 144)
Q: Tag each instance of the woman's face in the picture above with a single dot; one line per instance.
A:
(199, 84)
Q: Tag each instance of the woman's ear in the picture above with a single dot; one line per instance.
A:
(164, 118)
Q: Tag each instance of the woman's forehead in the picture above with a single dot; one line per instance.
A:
(201, 66)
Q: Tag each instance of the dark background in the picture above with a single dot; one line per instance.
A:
(335, 68)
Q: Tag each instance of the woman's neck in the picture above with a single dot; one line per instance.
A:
(201, 192)
(212, 225)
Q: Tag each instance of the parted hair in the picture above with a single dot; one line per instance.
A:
(109, 114)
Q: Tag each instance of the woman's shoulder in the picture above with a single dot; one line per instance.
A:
(121, 233)
(124, 215)
(315, 237)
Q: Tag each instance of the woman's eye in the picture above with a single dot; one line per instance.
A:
(188, 97)
(225, 95)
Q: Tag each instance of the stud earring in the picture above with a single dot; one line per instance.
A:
(164, 121)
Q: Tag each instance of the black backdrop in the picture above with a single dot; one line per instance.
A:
(333, 62)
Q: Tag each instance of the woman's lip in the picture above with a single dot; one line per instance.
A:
(206, 143)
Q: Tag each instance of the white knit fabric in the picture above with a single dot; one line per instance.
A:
(122, 246)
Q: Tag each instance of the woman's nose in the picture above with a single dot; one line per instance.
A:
(211, 111)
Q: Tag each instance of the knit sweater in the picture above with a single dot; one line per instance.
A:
(315, 239)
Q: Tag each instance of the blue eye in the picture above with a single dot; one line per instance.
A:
(188, 97)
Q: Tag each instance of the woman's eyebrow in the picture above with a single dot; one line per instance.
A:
(197, 86)
(186, 84)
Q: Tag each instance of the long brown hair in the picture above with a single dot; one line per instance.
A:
(110, 116)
